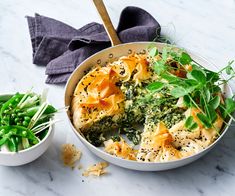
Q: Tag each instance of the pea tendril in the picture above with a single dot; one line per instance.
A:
(200, 87)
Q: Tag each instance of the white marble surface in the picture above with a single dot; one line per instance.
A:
(207, 27)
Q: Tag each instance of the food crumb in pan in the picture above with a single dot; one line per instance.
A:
(70, 155)
(96, 169)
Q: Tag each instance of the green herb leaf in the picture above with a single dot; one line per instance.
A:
(229, 105)
(153, 52)
(194, 126)
(207, 95)
(211, 113)
(191, 82)
(164, 54)
(155, 86)
(215, 89)
(214, 102)
(159, 67)
(174, 55)
(185, 58)
(197, 75)
(212, 76)
(190, 124)
(202, 101)
(170, 78)
(187, 101)
(187, 85)
(204, 120)
(178, 92)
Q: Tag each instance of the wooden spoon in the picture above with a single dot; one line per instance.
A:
(99, 4)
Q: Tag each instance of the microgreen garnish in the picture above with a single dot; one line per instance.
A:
(155, 86)
(185, 58)
(153, 52)
(190, 124)
(199, 87)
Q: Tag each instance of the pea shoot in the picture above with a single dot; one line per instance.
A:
(199, 87)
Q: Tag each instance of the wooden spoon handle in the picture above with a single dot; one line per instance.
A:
(99, 4)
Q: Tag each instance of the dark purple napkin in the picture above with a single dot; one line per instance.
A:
(61, 48)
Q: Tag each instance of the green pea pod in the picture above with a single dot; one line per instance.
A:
(31, 111)
(5, 98)
(24, 132)
(11, 146)
(6, 120)
(5, 138)
(15, 142)
(1, 104)
(13, 101)
(50, 109)
(4, 130)
(18, 131)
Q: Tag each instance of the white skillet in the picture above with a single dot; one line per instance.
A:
(116, 51)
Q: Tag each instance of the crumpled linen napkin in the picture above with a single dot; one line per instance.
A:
(61, 48)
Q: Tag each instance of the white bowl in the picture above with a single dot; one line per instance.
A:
(28, 155)
(117, 51)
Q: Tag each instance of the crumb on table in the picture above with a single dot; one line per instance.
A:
(96, 169)
(70, 155)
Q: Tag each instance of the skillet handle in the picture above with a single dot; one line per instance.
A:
(99, 4)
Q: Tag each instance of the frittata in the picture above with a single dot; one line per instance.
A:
(135, 107)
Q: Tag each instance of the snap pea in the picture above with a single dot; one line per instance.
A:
(5, 138)
(4, 130)
(15, 142)
(11, 145)
(19, 131)
(6, 120)
(5, 98)
(31, 111)
(24, 132)
(1, 104)
(16, 112)
(13, 101)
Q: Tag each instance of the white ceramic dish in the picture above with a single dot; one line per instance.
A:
(28, 155)
(112, 53)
